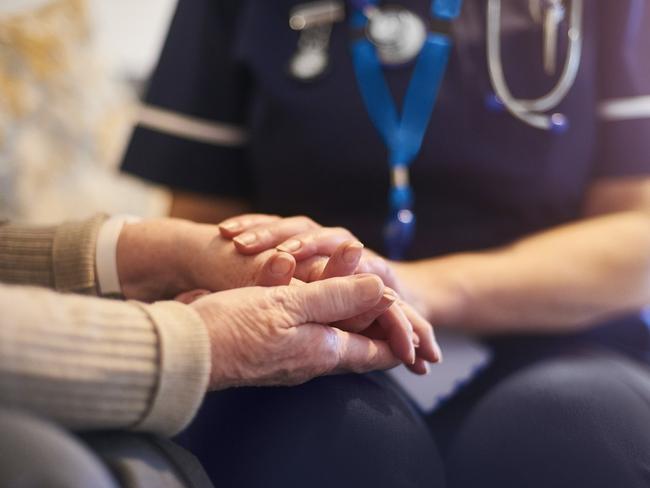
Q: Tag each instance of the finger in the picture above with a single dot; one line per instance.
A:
(420, 367)
(344, 261)
(399, 332)
(361, 322)
(311, 269)
(266, 236)
(330, 300)
(323, 241)
(359, 354)
(188, 297)
(277, 270)
(372, 263)
(232, 227)
(428, 347)
(375, 331)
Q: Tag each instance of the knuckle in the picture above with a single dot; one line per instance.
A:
(278, 297)
(284, 301)
(264, 234)
(340, 230)
(329, 350)
(303, 219)
(318, 357)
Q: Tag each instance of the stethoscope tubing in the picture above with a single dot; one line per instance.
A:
(531, 111)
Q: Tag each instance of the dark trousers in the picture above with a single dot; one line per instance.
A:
(566, 412)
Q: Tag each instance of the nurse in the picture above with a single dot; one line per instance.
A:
(537, 240)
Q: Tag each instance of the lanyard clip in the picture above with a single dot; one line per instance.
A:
(399, 233)
(400, 227)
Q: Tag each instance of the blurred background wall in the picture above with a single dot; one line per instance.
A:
(70, 75)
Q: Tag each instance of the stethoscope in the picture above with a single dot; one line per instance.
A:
(534, 112)
(388, 36)
(399, 35)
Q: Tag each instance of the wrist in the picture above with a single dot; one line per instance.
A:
(193, 252)
(108, 282)
(223, 359)
(435, 288)
(150, 259)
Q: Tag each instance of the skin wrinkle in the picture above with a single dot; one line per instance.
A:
(273, 336)
(282, 336)
(279, 300)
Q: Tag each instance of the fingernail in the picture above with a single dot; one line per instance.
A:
(426, 368)
(412, 355)
(351, 254)
(416, 340)
(386, 301)
(245, 239)
(369, 287)
(391, 291)
(231, 226)
(290, 246)
(281, 265)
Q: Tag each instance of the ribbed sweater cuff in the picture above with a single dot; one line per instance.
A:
(26, 255)
(60, 257)
(73, 256)
(184, 357)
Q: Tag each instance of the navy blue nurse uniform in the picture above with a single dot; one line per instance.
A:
(223, 117)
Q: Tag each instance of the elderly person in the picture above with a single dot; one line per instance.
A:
(87, 363)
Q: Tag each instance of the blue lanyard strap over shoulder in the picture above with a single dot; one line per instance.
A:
(402, 135)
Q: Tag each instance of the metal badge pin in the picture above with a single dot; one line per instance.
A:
(553, 16)
(397, 33)
(312, 14)
(311, 59)
(314, 22)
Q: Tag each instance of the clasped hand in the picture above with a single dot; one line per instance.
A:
(278, 317)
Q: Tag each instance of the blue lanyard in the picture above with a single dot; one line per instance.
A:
(402, 136)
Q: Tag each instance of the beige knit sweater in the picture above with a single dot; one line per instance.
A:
(88, 362)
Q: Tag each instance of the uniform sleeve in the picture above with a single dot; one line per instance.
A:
(191, 132)
(624, 88)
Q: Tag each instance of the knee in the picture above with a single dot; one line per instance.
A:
(35, 453)
(580, 421)
(325, 407)
(340, 430)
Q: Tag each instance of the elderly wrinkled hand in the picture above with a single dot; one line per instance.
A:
(323, 252)
(160, 258)
(308, 242)
(287, 335)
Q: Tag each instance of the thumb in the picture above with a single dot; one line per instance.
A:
(334, 299)
(277, 270)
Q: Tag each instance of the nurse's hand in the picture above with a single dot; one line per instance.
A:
(290, 334)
